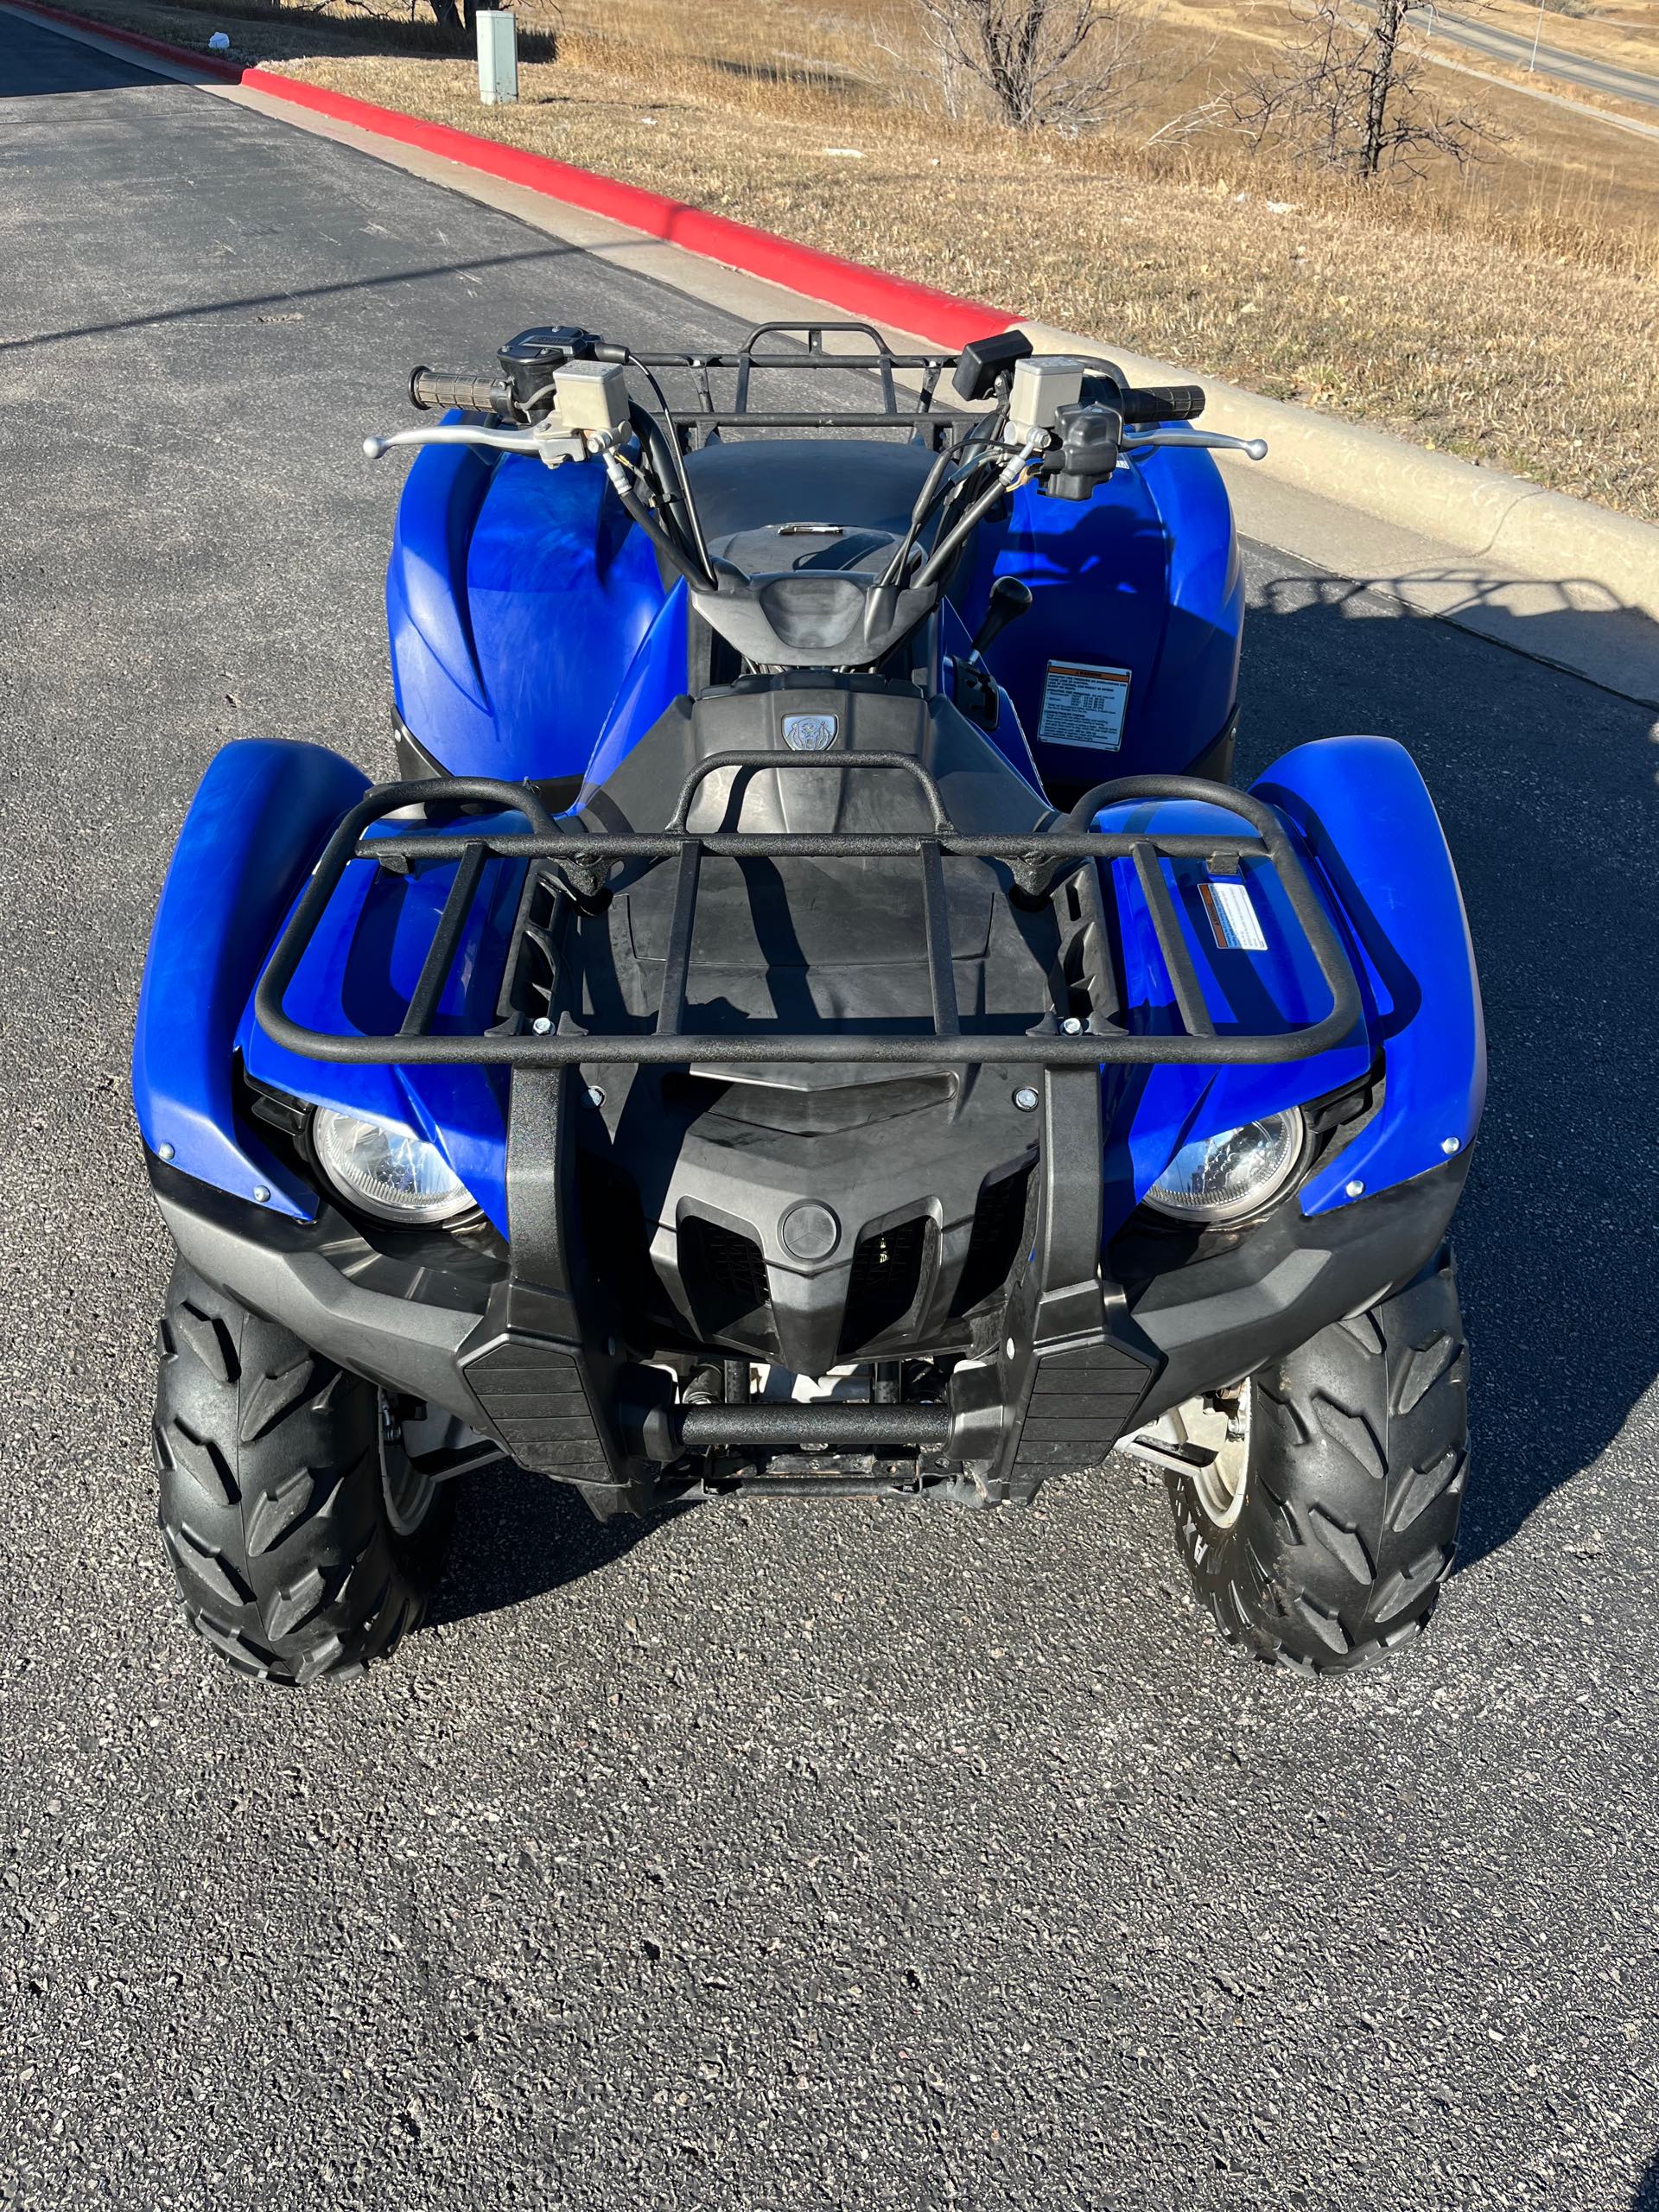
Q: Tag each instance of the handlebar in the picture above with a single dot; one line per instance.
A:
(1072, 448)
(429, 388)
(1173, 403)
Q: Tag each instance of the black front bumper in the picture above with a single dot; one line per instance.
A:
(1215, 1321)
(462, 1340)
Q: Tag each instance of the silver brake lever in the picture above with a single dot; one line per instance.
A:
(551, 448)
(1253, 449)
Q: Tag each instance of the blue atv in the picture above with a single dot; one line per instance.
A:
(811, 1017)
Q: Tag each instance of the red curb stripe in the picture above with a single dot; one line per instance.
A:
(938, 316)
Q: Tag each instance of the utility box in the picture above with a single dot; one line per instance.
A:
(498, 56)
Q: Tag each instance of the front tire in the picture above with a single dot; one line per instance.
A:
(302, 1542)
(1325, 1541)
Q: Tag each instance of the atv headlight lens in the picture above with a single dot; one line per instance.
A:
(1235, 1172)
(387, 1171)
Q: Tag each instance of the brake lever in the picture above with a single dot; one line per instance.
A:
(1252, 449)
(551, 449)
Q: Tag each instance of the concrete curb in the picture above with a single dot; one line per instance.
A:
(1500, 520)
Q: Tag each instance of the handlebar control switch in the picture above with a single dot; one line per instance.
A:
(1090, 439)
(982, 360)
(1042, 385)
(592, 396)
(529, 361)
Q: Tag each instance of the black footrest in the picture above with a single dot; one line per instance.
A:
(537, 1398)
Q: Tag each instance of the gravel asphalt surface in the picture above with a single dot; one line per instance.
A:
(780, 1857)
(1517, 48)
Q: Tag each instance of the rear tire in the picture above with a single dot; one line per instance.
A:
(1352, 1483)
(302, 1543)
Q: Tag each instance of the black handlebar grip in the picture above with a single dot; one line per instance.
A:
(478, 395)
(1170, 403)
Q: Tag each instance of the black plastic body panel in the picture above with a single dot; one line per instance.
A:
(461, 1339)
(1216, 1320)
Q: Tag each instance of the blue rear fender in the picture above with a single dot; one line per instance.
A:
(1362, 819)
(1143, 576)
(517, 597)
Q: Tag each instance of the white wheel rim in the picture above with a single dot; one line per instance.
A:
(406, 1489)
(1220, 1484)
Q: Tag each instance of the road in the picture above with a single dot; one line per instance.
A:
(781, 1856)
(1517, 48)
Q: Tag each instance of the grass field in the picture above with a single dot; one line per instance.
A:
(1507, 313)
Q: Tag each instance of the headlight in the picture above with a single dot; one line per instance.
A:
(388, 1172)
(1233, 1173)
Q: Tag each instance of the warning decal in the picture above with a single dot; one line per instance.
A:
(1084, 705)
(1237, 924)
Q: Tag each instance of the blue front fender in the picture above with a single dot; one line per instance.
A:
(254, 829)
(1378, 859)
(1365, 817)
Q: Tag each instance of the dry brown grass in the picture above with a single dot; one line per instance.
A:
(1509, 314)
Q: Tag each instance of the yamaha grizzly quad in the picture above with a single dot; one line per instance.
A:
(812, 1018)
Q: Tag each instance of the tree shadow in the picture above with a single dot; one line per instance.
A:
(818, 76)
(39, 63)
(265, 31)
(1545, 786)
(250, 302)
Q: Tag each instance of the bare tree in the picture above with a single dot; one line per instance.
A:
(1349, 92)
(539, 26)
(1038, 64)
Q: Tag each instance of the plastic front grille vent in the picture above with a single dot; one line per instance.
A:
(886, 1276)
(724, 1274)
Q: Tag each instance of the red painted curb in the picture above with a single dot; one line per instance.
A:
(938, 316)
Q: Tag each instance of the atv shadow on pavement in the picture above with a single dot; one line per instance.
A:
(519, 1536)
(1557, 1252)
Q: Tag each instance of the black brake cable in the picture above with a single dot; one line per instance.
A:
(667, 496)
(620, 471)
(981, 435)
(894, 571)
(699, 543)
(954, 493)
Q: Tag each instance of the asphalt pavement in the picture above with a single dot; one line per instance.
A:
(785, 1856)
(1544, 59)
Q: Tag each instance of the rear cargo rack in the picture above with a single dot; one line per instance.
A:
(577, 862)
(799, 348)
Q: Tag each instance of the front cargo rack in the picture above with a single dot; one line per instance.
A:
(577, 862)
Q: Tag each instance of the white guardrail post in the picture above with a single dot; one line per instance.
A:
(498, 56)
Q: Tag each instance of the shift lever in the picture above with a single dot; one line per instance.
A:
(1009, 600)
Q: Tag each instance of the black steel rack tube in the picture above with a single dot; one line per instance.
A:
(1037, 856)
